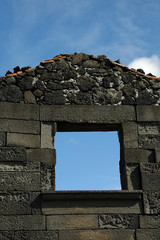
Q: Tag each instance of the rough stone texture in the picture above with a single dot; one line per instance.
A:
(7, 235)
(19, 166)
(38, 235)
(23, 140)
(47, 176)
(2, 139)
(135, 155)
(23, 222)
(148, 234)
(97, 234)
(133, 176)
(48, 131)
(118, 221)
(151, 202)
(150, 173)
(18, 203)
(150, 222)
(19, 126)
(130, 136)
(12, 154)
(72, 222)
(42, 155)
(19, 111)
(148, 113)
(90, 114)
(19, 181)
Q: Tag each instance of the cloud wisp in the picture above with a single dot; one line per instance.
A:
(148, 64)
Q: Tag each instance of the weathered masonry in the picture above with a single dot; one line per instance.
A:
(78, 92)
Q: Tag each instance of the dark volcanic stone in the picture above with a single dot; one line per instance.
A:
(140, 70)
(91, 64)
(8, 72)
(16, 69)
(40, 85)
(38, 93)
(128, 90)
(68, 74)
(26, 83)
(106, 82)
(146, 98)
(13, 93)
(62, 65)
(85, 83)
(78, 58)
(23, 69)
(80, 98)
(56, 97)
(54, 86)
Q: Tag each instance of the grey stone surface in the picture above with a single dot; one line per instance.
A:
(118, 221)
(19, 111)
(23, 140)
(150, 174)
(2, 139)
(15, 203)
(19, 166)
(148, 234)
(148, 222)
(36, 235)
(151, 202)
(130, 135)
(47, 176)
(148, 129)
(72, 222)
(148, 113)
(157, 155)
(12, 154)
(48, 131)
(19, 181)
(108, 234)
(7, 235)
(23, 222)
(133, 176)
(42, 155)
(19, 126)
(90, 114)
(136, 155)
(149, 141)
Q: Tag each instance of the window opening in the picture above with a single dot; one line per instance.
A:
(87, 161)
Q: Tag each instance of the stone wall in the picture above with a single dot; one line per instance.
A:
(78, 93)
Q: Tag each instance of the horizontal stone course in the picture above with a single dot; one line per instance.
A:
(130, 135)
(97, 234)
(2, 139)
(148, 113)
(23, 222)
(36, 235)
(14, 203)
(42, 155)
(58, 222)
(151, 201)
(19, 166)
(150, 222)
(19, 181)
(19, 111)
(19, 126)
(118, 221)
(7, 235)
(12, 154)
(148, 234)
(23, 140)
(136, 155)
(90, 114)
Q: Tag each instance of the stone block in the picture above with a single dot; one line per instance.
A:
(19, 111)
(114, 234)
(36, 235)
(19, 166)
(148, 222)
(133, 176)
(150, 175)
(148, 234)
(148, 129)
(151, 202)
(130, 135)
(157, 155)
(58, 222)
(136, 155)
(47, 176)
(18, 203)
(19, 181)
(19, 126)
(2, 139)
(12, 154)
(87, 114)
(24, 140)
(23, 222)
(42, 155)
(118, 221)
(148, 113)
(48, 131)
(149, 141)
(7, 235)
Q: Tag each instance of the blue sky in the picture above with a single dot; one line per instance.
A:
(35, 30)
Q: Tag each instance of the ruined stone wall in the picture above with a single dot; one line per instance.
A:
(78, 93)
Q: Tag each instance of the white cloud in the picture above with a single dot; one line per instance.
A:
(148, 64)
